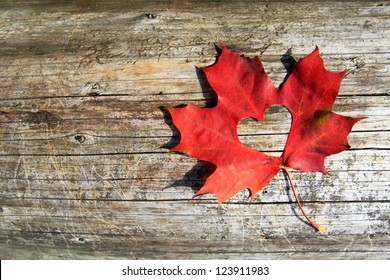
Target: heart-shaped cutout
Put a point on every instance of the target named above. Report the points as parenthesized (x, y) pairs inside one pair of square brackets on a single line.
[(269, 136)]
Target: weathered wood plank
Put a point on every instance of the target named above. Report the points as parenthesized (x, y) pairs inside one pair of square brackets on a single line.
[(140, 80), (100, 120), (333, 189), (43, 166), (84, 165), (90, 144), (46, 252), (138, 177), (165, 230)]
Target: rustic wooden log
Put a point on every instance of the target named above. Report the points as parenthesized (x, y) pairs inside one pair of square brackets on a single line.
[(85, 171)]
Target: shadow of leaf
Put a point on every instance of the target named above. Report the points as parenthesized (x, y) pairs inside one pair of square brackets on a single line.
[(209, 94), (292, 202), (289, 64), (196, 177), (175, 139)]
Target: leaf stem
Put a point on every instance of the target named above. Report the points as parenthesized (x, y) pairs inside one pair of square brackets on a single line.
[(319, 228)]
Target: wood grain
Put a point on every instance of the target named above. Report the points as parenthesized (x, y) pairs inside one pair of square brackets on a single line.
[(85, 171)]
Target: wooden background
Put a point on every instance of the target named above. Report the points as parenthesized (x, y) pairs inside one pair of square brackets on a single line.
[(85, 170)]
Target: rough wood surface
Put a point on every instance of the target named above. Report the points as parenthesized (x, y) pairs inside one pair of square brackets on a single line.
[(85, 170)]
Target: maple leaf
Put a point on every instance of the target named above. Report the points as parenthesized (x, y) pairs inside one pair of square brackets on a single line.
[(245, 90)]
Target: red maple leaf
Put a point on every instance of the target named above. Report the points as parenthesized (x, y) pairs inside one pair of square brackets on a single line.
[(245, 90)]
